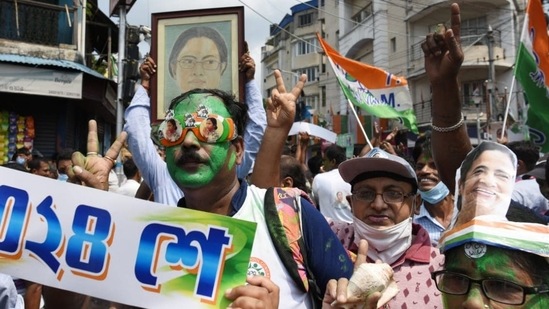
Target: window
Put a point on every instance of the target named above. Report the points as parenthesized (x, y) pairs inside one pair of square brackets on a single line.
[(312, 73), (306, 46), (393, 45), (305, 19), (473, 93)]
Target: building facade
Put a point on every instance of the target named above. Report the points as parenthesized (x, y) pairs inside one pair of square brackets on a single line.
[(388, 35), (49, 90)]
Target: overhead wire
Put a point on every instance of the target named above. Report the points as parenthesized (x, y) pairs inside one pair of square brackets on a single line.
[(401, 55)]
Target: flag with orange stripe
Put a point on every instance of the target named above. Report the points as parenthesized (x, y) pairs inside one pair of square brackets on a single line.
[(532, 71), (375, 91)]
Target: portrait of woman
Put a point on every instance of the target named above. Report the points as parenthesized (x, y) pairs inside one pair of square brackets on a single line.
[(170, 130), (196, 49), (198, 59), (210, 130), (487, 178)]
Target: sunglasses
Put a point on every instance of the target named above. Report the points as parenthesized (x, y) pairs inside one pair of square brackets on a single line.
[(211, 129)]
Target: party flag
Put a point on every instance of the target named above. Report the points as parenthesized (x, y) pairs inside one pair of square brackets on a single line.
[(375, 91), (532, 70)]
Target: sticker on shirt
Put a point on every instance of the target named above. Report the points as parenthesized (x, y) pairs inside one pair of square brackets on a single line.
[(258, 268), (474, 250)]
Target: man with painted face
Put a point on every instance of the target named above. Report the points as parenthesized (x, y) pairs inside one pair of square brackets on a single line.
[(436, 208), (205, 170), (138, 126), (383, 189)]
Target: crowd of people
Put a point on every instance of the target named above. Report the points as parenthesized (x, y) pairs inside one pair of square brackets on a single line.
[(417, 212)]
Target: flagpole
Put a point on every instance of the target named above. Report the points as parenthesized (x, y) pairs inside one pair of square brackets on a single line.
[(360, 124), (507, 109), (522, 34)]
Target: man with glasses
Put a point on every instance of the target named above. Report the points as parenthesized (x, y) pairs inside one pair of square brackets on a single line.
[(383, 191)]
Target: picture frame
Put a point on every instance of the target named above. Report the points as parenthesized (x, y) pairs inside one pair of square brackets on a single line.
[(188, 49)]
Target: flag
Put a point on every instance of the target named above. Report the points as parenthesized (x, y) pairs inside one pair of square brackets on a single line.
[(532, 71), (372, 89)]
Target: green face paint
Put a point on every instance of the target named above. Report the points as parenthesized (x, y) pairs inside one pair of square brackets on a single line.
[(495, 263), (208, 160)]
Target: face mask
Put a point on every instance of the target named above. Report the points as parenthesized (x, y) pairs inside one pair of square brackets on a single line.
[(385, 244), (63, 177), (436, 194), (21, 160)]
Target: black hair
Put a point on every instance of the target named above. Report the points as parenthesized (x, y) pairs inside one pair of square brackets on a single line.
[(15, 166), (172, 121), (196, 32), (35, 163), (130, 169), (23, 150), (335, 152), (290, 167), (422, 145), (314, 163), (214, 122), (477, 151), (236, 109), (526, 151), (65, 154)]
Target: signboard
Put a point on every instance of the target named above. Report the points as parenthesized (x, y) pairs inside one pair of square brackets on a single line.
[(119, 248), (40, 81)]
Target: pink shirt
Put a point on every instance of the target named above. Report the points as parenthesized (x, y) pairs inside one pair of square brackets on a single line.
[(412, 270)]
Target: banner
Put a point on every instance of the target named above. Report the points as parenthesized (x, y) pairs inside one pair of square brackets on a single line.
[(119, 248), (313, 130), (532, 70), (375, 91)]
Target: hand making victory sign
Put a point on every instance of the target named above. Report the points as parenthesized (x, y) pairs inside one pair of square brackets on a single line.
[(93, 169)]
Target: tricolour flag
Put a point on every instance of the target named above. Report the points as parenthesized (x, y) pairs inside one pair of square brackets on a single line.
[(372, 89), (532, 71)]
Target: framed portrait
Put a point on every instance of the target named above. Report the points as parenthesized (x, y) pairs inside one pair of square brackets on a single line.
[(196, 49)]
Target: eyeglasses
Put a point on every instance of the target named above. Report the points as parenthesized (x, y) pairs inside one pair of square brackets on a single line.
[(209, 129), (501, 291), (389, 196), (190, 63)]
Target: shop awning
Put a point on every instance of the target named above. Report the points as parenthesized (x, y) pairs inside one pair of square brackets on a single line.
[(56, 78)]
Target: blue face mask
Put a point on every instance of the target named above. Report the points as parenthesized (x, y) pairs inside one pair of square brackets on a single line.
[(436, 194), (21, 160), (62, 177)]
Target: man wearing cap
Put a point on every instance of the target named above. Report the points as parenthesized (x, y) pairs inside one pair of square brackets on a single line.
[(383, 190)]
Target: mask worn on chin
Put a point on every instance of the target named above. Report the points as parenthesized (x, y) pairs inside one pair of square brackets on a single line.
[(385, 244), (436, 194), (21, 160), (63, 177)]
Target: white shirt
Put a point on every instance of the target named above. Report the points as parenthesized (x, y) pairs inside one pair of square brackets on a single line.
[(128, 188), (329, 193)]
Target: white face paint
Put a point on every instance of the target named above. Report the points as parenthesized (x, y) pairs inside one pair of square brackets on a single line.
[(474, 250)]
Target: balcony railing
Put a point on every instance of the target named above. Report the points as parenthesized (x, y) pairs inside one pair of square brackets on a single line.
[(37, 22), (470, 37), (359, 17)]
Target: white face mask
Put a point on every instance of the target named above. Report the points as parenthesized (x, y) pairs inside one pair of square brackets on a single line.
[(385, 244), (436, 194), (21, 160)]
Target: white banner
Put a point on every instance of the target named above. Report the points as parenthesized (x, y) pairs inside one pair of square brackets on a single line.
[(40, 81), (313, 130), (119, 248)]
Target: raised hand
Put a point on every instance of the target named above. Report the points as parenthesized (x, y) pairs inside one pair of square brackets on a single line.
[(442, 50), (247, 64), (281, 104), (146, 71), (260, 292), (336, 290), (93, 169)]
